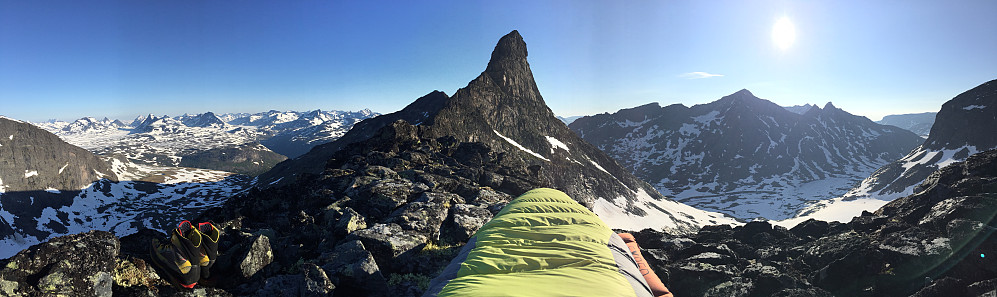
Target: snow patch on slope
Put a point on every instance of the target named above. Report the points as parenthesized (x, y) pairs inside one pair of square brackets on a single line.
[(121, 207), (516, 144), (554, 143), (662, 215), (919, 157), (834, 210)]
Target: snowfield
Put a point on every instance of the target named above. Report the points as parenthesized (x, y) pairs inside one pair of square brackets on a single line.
[(120, 207), (662, 215)]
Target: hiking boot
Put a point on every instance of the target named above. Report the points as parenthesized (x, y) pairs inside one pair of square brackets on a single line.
[(172, 264), (209, 246), (189, 241)]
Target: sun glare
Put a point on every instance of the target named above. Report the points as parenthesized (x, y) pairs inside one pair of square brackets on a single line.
[(783, 33)]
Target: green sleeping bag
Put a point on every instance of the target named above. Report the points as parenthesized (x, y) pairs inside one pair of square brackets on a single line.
[(542, 243)]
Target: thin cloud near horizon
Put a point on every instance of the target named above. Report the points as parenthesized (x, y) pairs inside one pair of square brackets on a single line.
[(698, 75)]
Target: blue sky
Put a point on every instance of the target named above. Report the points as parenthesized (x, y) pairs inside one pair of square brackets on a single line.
[(69, 59)]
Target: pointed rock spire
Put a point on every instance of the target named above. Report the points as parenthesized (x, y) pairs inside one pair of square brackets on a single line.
[(744, 92), (510, 47), (509, 69)]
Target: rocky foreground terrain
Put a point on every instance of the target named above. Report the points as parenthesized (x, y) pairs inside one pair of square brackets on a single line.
[(383, 219), (388, 213), (938, 242)]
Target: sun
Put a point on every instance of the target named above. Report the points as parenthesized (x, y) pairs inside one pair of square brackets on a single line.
[(783, 33)]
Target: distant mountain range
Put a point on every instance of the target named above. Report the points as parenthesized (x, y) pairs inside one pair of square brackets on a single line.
[(200, 140), (746, 156), (50, 188), (919, 123)]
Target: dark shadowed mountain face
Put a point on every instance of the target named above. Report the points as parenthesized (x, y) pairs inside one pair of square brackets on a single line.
[(966, 124), (919, 123), (503, 109), (743, 155), (32, 159)]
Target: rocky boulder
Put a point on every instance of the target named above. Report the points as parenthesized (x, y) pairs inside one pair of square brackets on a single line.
[(353, 269), (79, 264), (463, 222)]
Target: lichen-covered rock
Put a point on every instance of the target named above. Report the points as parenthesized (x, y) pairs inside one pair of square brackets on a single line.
[(350, 221), (381, 197), (133, 272), (79, 264), (388, 241), (486, 197), (315, 281), (735, 287), (464, 221), (353, 270), (695, 278), (425, 214), (258, 255)]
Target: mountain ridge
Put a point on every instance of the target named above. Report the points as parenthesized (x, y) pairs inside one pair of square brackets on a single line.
[(744, 155)]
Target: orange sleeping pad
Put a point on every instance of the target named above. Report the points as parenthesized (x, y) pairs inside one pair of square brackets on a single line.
[(657, 287)]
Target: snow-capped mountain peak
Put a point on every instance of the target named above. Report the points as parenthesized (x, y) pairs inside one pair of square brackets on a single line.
[(208, 119)]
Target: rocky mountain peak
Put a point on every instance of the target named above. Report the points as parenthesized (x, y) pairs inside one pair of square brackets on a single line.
[(509, 70), (743, 93), (969, 119), (510, 47), (742, 97), (206, 119), (745, 103), (829, 106)]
